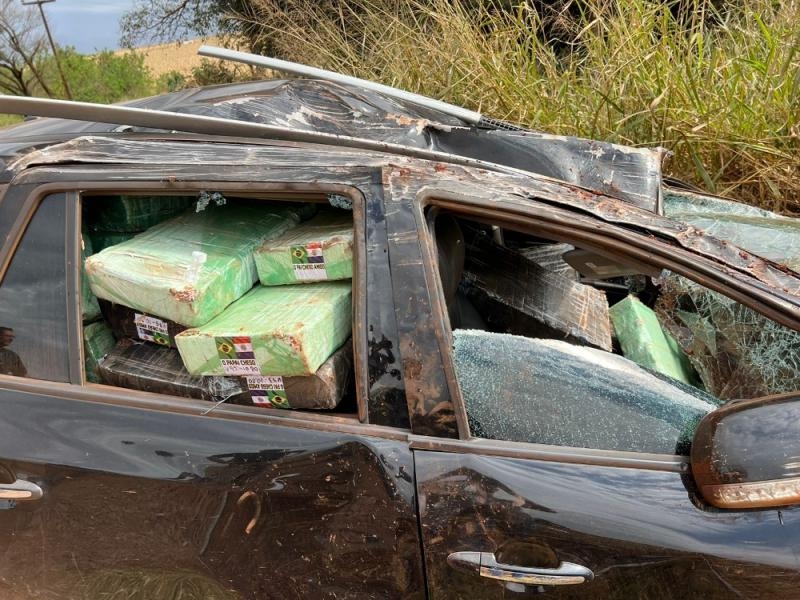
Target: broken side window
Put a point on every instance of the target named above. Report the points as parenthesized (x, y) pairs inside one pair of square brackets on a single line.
[(554, 344)]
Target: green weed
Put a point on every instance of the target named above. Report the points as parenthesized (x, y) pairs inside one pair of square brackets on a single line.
[(718, 89)]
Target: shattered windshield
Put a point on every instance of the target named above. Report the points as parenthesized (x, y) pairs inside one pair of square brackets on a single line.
[(761, 232)]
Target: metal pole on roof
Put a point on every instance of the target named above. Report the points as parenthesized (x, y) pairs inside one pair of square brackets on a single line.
[(277, 64), (52, 45)]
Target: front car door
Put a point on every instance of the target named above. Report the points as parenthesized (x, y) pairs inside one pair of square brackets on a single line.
[(558, 472), (147, 495)]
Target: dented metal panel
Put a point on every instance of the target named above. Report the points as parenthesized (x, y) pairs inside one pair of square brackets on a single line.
[(150, 501), (523, 195), (314, 106), (428, 395)]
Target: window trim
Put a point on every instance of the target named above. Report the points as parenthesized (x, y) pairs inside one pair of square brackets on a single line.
[(459, 204)]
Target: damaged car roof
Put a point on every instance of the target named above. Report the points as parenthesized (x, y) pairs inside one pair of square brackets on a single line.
[(516, 193), (627, 173)]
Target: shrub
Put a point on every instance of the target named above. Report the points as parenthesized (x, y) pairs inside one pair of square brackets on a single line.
[(104, 77)]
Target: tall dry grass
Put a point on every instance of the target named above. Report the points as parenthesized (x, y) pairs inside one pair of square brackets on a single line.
[(720, 90)]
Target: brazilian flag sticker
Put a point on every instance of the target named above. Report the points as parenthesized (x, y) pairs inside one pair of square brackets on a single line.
[(299, 255), (278, 398), (225, 348)]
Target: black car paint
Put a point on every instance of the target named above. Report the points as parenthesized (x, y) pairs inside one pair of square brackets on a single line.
[(265, 511)]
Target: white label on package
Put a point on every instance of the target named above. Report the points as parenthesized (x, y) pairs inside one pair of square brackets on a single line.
[(151, 329), (308, 262), (240, 366), (267, 390)]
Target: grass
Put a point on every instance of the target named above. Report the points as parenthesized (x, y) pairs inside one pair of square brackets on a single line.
[(7, 120), (719, 90)]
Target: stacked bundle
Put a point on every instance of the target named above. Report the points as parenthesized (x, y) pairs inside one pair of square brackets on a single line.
[(188, 283)]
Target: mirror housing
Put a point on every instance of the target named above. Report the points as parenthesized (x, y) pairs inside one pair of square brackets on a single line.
[(747, 453)]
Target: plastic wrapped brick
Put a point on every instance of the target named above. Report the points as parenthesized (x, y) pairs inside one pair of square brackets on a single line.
[(644, 342), (133, 213), (104, 239), (98, 341), (318, 250), (90, 310), (128, 322), (513, 293), (188, 269), (151, 368), (286, 331), (322, 390)]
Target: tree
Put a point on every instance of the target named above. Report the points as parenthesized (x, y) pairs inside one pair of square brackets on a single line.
[(165, 20), (151, 21), (22, 50)]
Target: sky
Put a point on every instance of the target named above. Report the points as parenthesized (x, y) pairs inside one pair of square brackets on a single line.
[(87, 25)]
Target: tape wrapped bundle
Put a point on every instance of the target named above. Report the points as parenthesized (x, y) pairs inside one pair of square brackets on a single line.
[(98, 341), (322, 390), (285, 331), (90, 310), (318, 250), (190, 268), (133, 213), (127, 322), (150, 368)]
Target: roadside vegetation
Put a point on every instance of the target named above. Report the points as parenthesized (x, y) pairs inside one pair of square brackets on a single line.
[(719, 88)]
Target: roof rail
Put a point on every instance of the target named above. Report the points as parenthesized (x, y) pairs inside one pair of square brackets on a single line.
[(170, 121), (469, 116)]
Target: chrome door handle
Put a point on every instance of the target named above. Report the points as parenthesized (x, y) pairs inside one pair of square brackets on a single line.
[(20, 490), (486, 565)]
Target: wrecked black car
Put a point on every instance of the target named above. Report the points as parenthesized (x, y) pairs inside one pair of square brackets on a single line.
[(291, 339)]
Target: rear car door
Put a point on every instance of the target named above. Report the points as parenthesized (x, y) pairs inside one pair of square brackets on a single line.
[(568, 494), (114, 492)]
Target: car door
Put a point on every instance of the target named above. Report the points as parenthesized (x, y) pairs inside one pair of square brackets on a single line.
[(111, 492), (593, 506)]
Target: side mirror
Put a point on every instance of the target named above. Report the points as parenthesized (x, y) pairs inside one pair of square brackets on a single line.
[(747, 454)]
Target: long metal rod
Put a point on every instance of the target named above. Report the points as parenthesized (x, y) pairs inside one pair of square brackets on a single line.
[(170, 121), (285, 66)]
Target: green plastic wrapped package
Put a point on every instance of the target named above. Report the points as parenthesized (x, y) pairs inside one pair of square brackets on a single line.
[(188, 269), (319, 250), (287, 331), (90, 309), (644, 341), (133, 213), (97, 342), (104, 239)]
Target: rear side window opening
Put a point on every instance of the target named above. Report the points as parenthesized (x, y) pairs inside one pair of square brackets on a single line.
[(221, 298)]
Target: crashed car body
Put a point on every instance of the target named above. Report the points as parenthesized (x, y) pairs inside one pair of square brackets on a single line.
[(501, 432)]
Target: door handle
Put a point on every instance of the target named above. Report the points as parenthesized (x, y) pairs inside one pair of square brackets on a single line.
[(20, 490), (486, 565)]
